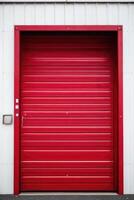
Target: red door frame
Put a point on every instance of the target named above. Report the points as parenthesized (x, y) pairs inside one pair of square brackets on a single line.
[(87, 28)]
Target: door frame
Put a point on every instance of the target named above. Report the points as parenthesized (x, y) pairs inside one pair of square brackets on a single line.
[(88, 28)]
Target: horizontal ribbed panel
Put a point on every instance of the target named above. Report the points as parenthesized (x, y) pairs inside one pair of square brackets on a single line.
[(67, 112)]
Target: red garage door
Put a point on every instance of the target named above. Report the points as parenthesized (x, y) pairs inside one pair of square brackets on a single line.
[(67, 134)]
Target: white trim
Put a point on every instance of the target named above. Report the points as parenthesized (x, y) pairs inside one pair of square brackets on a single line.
[(67, 1)]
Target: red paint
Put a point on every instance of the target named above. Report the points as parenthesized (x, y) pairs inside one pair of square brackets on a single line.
[(67, 28), (66, 62), (82, 115), (120, 109), (71, 186), (16, 119)]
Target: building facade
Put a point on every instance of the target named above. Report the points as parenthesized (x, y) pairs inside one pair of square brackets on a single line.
[(68, 13)]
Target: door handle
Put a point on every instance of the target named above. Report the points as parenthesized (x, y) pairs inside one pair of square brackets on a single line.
[(22, 119)]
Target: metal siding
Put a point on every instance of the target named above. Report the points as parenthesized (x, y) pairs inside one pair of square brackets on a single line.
[(59, 12), (102, 13), (67, 1), (7, 106), (128, 102), (9, 17), (69, 14), (19, 14), (30, 15), (49, 14), (8, 14), (40, 14), (79, 14), (91, 14), (112, 14)]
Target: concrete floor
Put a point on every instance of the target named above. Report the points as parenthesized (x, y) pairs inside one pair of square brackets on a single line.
[(67, 197)]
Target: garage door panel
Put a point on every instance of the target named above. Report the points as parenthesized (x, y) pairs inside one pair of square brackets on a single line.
[(68, 164), (61, 179), (67, 107), (67, 171), (63, 93), (68, 35), (74, 72), (92, 67), (62, 78), (86, 44), (67, 100), (87, 41), (67, 121), (66, 145), (63, 85), (67, 112), (40, 61), (67, 136), (67, 53), (58, 155), (67, 129), (69, 187), (44, 59)]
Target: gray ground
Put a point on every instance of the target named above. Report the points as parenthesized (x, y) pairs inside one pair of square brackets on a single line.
[(67, 197)]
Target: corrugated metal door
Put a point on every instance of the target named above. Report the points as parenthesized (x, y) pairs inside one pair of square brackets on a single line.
[(67, 112)]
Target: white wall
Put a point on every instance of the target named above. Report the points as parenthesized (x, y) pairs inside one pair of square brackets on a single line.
[(62, 13)]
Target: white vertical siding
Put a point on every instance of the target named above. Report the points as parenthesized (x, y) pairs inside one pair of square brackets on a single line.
[(40, 12), (102, 13), (30, 14), (112, 10), (6, 66), (79, 14), (91, 14), (19, 14), (69, 14), (63, 13), (50, 14), (8, 19), (59, 14)]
